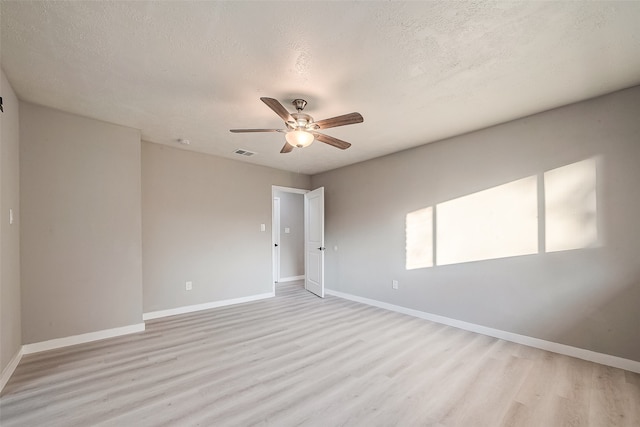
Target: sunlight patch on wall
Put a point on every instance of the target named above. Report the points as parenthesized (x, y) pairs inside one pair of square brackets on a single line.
[(419, 238), (495, 223), (503, 221), (570, 207)]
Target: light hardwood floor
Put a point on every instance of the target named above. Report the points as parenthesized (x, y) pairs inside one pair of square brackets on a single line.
[(300, 360)]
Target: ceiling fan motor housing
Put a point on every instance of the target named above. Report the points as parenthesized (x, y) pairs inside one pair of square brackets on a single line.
[(302, 121)]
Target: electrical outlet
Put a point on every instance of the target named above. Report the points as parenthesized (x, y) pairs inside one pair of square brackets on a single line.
[(394, 284), (188, 286)]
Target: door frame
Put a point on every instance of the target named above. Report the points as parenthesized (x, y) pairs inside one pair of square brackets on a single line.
[(275, 188), (275, 237)]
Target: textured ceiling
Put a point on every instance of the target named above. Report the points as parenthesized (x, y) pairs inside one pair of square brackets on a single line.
[(417, 71)]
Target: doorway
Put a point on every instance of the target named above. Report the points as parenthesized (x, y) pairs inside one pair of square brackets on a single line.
[(305, 248), (288, 234)]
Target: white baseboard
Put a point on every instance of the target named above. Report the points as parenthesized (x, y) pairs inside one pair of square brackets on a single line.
[(81, 339), (205, 306), (580, 353), (10, 368), (290, 279)]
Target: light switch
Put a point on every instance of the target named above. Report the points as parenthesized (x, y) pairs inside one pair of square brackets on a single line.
[(287, 230), (10, 216), (263, 227)]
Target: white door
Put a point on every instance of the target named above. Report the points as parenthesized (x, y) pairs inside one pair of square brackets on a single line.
[(276, 239), (314, 241)]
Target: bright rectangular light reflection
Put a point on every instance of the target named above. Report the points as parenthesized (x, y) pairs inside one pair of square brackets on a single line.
[(419, 239), (495, 223), (570, 206)]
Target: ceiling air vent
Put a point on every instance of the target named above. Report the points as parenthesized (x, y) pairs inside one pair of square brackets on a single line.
[(244, 152)]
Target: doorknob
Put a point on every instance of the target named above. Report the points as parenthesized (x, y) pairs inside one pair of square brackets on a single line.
[(321, 249), (276, 245)]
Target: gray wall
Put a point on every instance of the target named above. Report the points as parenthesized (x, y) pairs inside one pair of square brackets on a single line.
[(81, 224), (585, 298), (292, 243), (201, 223), (10, 328)]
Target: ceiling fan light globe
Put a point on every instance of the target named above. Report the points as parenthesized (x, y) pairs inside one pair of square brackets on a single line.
[(299, 138)]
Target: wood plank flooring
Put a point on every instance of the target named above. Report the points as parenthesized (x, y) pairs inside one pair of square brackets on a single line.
[(300, 360)]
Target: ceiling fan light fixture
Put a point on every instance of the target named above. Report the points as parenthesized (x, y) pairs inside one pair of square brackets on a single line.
[(299, 138)]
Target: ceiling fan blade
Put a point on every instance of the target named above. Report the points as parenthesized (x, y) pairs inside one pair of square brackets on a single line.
[(338, 143), (287, 148), (254, 130), (275, 105), (346, 119)]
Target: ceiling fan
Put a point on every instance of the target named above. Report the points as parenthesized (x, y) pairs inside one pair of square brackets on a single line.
[(301, 130)]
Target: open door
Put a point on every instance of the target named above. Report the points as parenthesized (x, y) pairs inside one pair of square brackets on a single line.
[(314, 241)]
